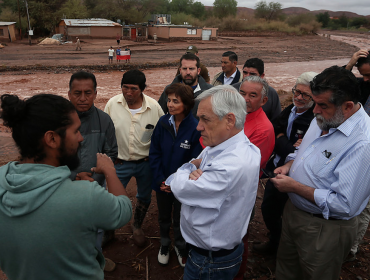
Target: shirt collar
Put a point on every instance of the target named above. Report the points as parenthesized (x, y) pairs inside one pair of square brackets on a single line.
[(253, 115), (232, 75), (349, 124), (216, 150), (144, 105)]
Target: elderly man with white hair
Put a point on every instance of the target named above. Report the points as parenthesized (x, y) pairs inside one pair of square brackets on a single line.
[(290, 127), (218, 188)]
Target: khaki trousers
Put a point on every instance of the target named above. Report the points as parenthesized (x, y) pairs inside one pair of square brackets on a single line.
[(312, 248)]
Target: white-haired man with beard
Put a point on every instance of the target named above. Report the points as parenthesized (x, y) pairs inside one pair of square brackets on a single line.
[(290, 126), (328, 183)]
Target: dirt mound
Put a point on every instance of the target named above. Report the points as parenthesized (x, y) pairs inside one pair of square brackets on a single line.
[(49, 41)]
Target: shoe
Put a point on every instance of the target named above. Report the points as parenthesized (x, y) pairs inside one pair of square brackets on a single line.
[(139, 237), (109, 265), (164, 255), (180, 258), (265, 248), (350, 257)]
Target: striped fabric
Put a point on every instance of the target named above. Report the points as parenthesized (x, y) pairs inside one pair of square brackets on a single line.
[(337, 165)]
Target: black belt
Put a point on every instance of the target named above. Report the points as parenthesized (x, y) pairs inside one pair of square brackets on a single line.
[(322, 217), (207, 253), (120, 161)]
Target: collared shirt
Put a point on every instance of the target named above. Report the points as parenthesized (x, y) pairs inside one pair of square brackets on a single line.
[(216, 208), (292, 116), (133, 135), (228, 80), (171, 120), (260, 132), (337, 166)]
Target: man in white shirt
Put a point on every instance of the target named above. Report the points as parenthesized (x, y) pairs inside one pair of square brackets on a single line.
[(218, 189), (110, 55)]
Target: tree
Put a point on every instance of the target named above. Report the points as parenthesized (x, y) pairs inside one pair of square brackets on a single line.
[(198, 10), (224, 8), (73, 9), (359, 21), (323, 18), (268, 11)]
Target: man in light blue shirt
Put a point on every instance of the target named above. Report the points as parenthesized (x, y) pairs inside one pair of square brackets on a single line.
[(218, 189), (328, 184)]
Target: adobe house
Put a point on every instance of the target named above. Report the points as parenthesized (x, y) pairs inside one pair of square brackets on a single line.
[(7, 31), (89, 28), (182, 32)]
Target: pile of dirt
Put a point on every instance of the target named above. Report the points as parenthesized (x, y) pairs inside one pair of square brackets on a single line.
[(49, 41)]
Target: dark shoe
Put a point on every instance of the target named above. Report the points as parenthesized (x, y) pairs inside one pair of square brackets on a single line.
[(350, 258), (180, 257), (109, 265), (164, 255), (265, 248), (139, 237)]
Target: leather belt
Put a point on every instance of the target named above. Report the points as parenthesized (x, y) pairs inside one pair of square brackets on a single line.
[(322, 217), (120, 161), (207, 253)]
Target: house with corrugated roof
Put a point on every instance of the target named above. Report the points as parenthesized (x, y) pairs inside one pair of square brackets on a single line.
[(7, 31), (89, 28)]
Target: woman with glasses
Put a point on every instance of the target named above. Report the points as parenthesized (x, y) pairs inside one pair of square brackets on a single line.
[(290, 127), (175, 141)]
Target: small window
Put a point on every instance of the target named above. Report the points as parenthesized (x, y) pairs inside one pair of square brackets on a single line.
[(1, 32), (192, 31)]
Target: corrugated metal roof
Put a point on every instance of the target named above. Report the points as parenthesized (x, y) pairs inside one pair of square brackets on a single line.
[(5, 23), (90, 22)]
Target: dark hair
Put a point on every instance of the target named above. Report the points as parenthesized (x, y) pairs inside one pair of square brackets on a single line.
[(31, 118), (185, 93), (134, 77), (341, 82), (363, 60), (190, 56), (82, 75), (231, 55), (255, 63)]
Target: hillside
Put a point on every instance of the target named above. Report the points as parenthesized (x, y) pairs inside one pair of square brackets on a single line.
[(296, 11)]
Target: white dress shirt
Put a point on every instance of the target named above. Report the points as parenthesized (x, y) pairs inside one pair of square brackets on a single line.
[(337, 166), (217, 207)]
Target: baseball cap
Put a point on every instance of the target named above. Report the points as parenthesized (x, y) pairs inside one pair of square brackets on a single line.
[(192, 49)]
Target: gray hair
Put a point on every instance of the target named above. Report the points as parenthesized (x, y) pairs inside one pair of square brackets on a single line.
[(305, 78), (257, 80), (226, 99)]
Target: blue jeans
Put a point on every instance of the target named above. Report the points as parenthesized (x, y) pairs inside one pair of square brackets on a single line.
[(143, 175), (217, 268)]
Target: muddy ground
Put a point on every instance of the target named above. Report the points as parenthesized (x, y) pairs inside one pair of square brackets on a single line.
[(27, 70)]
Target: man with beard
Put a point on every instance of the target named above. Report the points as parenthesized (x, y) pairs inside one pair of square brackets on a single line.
[(189, 75), (99, 136), (48, 222), (328, 184), (290, 127)]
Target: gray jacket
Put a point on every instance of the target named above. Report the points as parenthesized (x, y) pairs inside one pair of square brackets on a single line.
[(99, 135), (202, 84)]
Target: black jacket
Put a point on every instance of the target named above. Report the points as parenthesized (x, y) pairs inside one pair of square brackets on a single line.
[(202, 84), (283, 145)]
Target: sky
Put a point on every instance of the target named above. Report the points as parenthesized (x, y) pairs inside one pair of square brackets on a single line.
[(361, 7)]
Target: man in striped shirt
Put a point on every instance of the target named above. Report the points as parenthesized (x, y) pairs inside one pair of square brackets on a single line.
[(328, 183)]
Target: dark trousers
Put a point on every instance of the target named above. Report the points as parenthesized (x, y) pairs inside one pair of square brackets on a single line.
[(169, 209), (272, 210)]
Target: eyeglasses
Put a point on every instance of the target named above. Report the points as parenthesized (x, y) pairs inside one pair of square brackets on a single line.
[(305, 96)]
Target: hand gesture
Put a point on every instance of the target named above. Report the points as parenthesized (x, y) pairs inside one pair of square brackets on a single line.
[(103, 164)]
